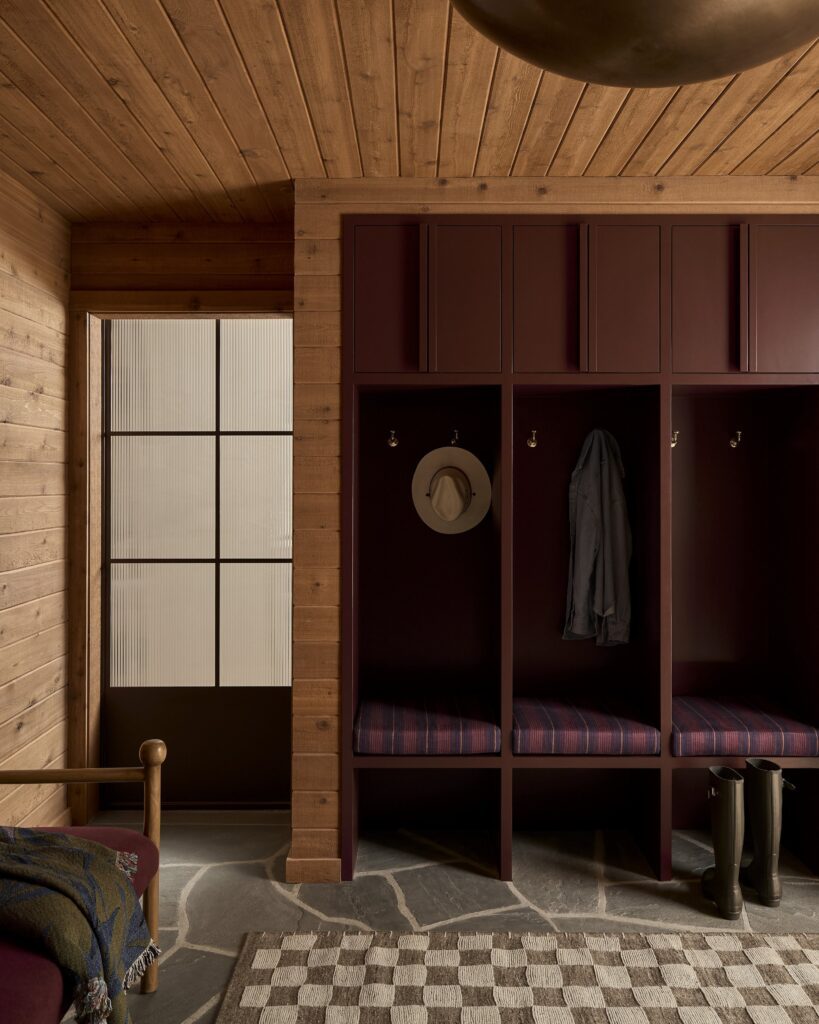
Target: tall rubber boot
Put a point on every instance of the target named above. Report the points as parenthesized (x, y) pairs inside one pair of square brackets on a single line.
[(721, 882), (764, 783)]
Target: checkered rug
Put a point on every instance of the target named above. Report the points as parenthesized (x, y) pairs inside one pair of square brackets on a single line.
[(570, 978)]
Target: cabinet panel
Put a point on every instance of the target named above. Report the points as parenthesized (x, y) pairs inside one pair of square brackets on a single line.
[(785, 289), (547, 298), (625, 299), (387, 299), (465, 298), (707, 331)]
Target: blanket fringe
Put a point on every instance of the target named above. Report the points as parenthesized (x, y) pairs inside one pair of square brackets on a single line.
[(92, 1004), (141, 964)]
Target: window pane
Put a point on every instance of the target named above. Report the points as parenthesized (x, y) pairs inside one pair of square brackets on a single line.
[(256, 486), (162, 628), (163, 374), (256, 374), (162, 497), (255, 628)]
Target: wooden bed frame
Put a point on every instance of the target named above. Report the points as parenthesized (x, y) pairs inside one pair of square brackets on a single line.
[(152, 753)]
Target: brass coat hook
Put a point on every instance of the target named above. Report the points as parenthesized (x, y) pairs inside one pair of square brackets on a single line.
[(392, 440), (455, 438), (735, 440), (675, 438), (531, 440)]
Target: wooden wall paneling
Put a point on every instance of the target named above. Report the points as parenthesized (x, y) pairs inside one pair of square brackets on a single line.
[(367, 38), (34, 254)]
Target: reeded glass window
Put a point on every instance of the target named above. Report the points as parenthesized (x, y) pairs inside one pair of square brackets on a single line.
[(199, 454)]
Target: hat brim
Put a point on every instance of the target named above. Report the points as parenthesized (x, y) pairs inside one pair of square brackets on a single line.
[(471, 465)]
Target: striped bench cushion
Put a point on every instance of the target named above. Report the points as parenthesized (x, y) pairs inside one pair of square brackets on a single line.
[(559, 727), (425, 726), (750, 728)]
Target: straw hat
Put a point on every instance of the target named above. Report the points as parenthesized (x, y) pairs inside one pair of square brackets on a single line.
[(451, 490)]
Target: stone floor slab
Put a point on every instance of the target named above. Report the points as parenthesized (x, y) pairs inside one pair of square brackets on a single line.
[(558, 871), (673, 903), (437, 894), (370, 900), (187, 981)]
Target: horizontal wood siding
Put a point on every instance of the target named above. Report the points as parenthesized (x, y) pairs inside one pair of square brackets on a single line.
[(179, 268), (34, 288)]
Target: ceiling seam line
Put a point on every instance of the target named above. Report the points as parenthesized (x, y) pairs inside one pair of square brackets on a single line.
[(396, 112)]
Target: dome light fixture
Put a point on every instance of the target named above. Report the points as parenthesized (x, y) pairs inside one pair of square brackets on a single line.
[(644, 43)]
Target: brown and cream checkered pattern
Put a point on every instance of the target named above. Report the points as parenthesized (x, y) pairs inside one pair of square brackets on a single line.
[(553, 978)]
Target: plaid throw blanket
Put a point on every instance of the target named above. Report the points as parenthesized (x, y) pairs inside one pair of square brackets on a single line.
[(73, 899)]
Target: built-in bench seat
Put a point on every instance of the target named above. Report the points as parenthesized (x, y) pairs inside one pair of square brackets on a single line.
[(550, 726), (425, 725), (750, 727)]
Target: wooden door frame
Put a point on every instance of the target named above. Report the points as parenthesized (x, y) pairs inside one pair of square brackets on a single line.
[(85, 472)]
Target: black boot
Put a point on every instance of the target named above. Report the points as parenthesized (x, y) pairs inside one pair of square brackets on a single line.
[(763, 789), (721, 882)]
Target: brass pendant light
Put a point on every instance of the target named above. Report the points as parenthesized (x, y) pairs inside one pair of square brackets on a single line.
[(644, 43)]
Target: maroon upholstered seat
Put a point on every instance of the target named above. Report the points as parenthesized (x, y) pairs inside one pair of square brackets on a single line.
[(747, 728), (31, 986), (552, 726), (425, 726)]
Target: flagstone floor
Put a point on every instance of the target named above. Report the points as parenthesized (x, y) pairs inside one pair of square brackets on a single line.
[(222, 876)]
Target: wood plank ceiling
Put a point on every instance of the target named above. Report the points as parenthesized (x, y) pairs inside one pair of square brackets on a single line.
[(207, 109)]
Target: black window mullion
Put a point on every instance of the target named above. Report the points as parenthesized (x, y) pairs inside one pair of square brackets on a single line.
[(218, 509)]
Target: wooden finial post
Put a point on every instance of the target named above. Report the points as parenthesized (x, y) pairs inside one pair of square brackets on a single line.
[(152, 754)]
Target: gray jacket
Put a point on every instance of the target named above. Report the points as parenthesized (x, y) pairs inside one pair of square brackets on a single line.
[(598, 601)]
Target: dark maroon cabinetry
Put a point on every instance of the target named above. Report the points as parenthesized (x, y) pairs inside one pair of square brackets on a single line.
[(708, 322), (785, 294), (549, 264), (465, 301), (624, 298), (695, 342), (389, 333)]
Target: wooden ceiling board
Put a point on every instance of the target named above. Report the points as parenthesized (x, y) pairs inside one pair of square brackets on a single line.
[(470, 68), (313, 34), (511, 98), (131, 83), (738, 100), (784, 100), (206, 110), (367, 37), (551, 114), (148, 29)]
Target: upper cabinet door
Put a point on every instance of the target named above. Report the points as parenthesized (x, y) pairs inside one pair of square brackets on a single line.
[(785, 298), (624, 298), (390, 333), (465, 298), (549, 330), (708, 322)]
